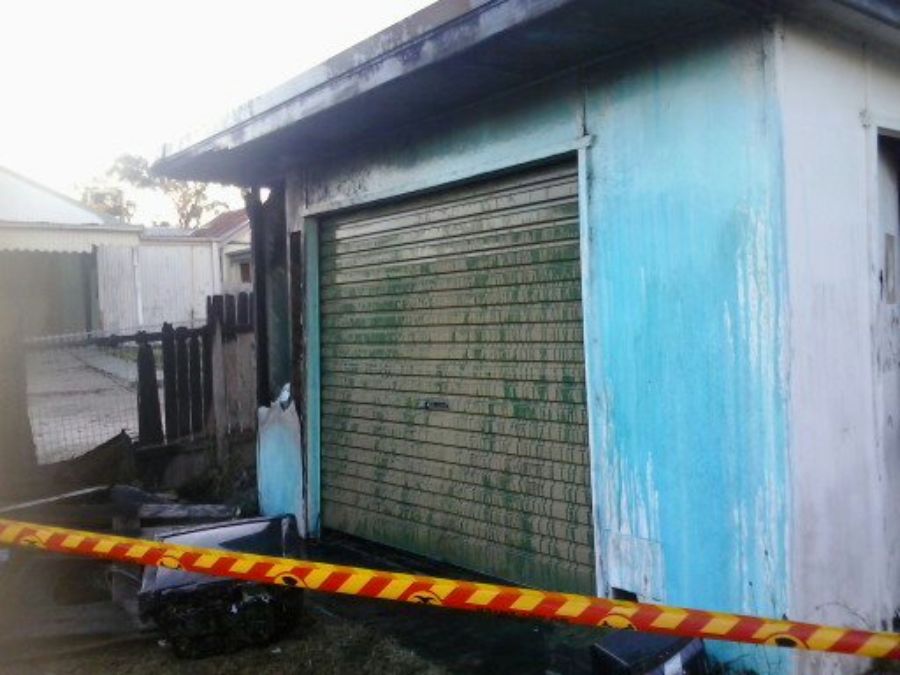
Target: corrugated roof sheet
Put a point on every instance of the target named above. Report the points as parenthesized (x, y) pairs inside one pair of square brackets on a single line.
[(35, 218), (222, 225), (24, 201)]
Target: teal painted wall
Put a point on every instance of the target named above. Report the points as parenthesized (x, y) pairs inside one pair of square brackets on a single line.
[(684, 294), (685, 327)]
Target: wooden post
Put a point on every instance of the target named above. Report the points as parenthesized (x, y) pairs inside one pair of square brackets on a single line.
[(219, 395), (243, 310), (17, 454), (196, 380), (215, 311), (278, 308), (170, 381), (259, 247), (183, 385), (298, 332), (150, 429), (218, 308), (230, 316), (309, 247), (207, 371)]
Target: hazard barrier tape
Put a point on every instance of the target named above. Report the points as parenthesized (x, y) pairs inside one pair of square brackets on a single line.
[(453, 594)]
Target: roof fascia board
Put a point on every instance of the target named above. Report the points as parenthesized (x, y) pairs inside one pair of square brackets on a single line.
[(87, 227)]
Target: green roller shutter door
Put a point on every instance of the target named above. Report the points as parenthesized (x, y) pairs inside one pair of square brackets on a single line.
[(453, 404)]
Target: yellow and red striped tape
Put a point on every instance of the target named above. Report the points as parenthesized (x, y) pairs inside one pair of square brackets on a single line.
[(449, 593)]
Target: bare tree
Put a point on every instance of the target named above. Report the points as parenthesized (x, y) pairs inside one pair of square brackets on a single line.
[(108, 200), (191, 201)]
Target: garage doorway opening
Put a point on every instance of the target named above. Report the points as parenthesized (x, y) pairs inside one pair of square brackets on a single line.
[(454, 420)]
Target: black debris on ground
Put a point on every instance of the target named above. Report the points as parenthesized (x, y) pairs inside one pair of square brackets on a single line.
[(335, 634), (319, 645), (202, 615)]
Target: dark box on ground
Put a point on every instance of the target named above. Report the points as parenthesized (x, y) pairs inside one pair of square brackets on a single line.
[(203, 615), (626, 652)]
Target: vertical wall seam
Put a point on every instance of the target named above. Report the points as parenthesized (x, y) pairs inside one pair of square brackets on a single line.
[(773, 48), (587, 302)]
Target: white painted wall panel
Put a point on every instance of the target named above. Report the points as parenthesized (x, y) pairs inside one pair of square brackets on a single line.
[(843, 411), (172, 280), (115, 287), (166, 284), (205, 278), (175, 278)]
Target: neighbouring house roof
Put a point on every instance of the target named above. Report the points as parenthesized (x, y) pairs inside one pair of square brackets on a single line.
[(222, 229), (22, 200), (224, 226), (450, 54), (37, 218)]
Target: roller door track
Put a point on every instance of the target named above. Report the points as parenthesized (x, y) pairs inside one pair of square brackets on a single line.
[(453, 403)]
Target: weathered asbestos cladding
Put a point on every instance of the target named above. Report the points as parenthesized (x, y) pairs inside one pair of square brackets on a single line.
[(453, 404)]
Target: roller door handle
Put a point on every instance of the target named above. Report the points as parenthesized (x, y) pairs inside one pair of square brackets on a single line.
[(435, 404)]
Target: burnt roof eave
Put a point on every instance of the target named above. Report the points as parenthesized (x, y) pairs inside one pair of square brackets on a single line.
[(313, 108), (314, 111), (463, 23)]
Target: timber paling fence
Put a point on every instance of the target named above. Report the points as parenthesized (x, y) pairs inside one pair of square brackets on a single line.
[(155, 385)]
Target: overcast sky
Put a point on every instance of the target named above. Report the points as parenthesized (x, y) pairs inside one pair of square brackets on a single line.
[(83, 82)]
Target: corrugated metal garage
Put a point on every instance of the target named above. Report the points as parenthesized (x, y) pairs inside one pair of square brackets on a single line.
[(453, 400)]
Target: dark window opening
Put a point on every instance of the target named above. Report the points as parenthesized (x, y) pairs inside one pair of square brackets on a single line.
[(889, 214)]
